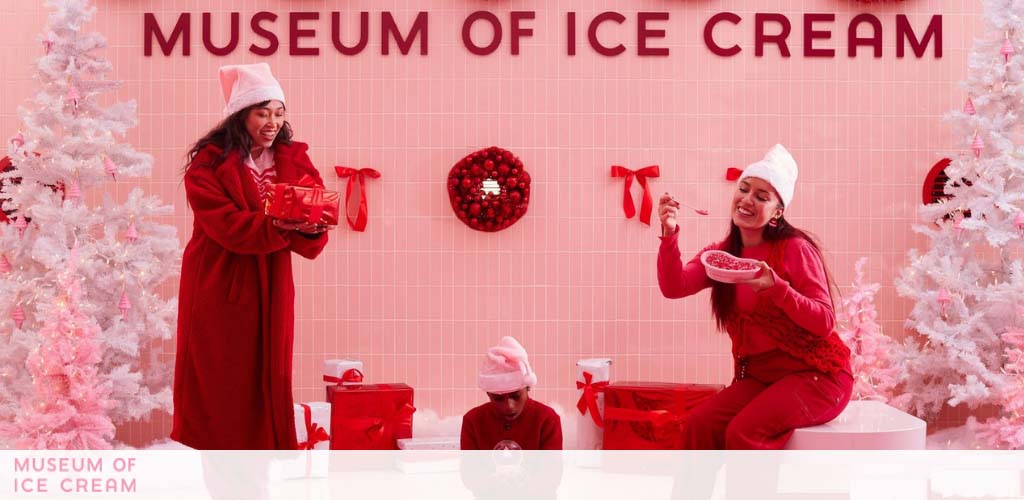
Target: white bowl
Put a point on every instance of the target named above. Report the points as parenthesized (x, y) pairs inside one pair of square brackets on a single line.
[(729, 275)]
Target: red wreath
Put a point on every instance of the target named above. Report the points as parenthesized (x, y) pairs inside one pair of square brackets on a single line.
[(496, 204)]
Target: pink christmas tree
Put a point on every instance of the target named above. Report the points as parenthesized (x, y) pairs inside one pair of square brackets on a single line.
[(876, 373), (1007, 431), (68, 405)]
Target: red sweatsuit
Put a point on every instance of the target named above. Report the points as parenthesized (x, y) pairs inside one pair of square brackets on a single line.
[(233, 371), (536, 428), (791, 368)]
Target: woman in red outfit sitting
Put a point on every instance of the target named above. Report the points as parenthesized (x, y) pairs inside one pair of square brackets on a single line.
[(233, 371), (510, 416), (791, 368)]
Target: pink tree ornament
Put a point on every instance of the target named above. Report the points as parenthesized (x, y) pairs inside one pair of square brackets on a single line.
[(18, 315), (124, 305)]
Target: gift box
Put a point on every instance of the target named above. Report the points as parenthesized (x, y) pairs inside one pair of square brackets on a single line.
[(650, 415), (303, 201), (313, 426), (342, 372), (312, 431), (592, 376), (428, 455), (430, 443), (370, 416)]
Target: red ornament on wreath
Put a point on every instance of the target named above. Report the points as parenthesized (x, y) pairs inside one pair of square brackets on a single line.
[(489, 189)]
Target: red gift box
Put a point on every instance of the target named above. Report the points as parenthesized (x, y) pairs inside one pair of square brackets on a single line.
[(370, 416), (304, 201), (650, 415)]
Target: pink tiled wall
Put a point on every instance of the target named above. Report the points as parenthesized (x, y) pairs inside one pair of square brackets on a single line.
[(419, 296)]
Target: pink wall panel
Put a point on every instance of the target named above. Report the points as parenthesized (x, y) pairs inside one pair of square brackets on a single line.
[(419, 296)]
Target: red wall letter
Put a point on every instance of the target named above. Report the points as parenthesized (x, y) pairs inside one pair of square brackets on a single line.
[(592, 33), (207, 35), (642, 33), (294, 33), (467, 28), (875, 40), (760, 39), (709, 37), (811, 34), (388, 26), (517, 32), (151, 28), (364, 33), (905, 32), (263, 32)]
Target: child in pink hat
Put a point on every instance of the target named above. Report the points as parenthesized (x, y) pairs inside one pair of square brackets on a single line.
[(236, 314), (510, 419)]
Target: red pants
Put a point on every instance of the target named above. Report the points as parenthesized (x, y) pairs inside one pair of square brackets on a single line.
[(772, 394)]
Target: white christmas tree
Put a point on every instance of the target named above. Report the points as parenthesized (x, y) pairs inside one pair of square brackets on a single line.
[(967, 284), (67, 156), (877, 370)]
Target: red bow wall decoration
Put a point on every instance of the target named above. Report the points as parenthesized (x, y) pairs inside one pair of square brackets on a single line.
[(357, 176), (646, 204)]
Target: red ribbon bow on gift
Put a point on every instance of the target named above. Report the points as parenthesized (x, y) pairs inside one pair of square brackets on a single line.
[(358, 176), (382, 427), (317, 206), (647, 204), (314, 433), (588, 400), (350, 375)]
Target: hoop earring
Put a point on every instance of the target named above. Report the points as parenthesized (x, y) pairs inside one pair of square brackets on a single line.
[(774, 222)]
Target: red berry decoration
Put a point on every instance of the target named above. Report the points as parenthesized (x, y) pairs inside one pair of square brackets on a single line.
[(495, 204)]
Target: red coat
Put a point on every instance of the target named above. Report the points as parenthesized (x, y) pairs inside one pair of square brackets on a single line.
[(233, 372)]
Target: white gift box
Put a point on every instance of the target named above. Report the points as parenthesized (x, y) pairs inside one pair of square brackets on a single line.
[(430, 443), (320, 414), (588, 435), (306, 463), (426, 455), (343, 371)]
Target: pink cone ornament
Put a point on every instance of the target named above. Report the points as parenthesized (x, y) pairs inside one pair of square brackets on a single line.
[(977, 145), (74, 191), (124, 305), (73, 96), (944, 299), (21, 225), (1007, 49), (5, 265), (18, 315), (131, 234), (969, 107), (110, 167), (1018, 221), (18, 140)]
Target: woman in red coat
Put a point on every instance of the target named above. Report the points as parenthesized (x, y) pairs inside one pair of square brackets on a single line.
[(233, 372)]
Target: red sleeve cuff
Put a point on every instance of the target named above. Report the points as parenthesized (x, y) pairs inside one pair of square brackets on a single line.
[(778, 291)]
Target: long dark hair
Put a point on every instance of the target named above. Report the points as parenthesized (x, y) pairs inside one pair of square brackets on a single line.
[(230, 135), (723, 295)]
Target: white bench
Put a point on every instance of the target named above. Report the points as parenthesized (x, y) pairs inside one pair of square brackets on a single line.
[(863, 425)]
